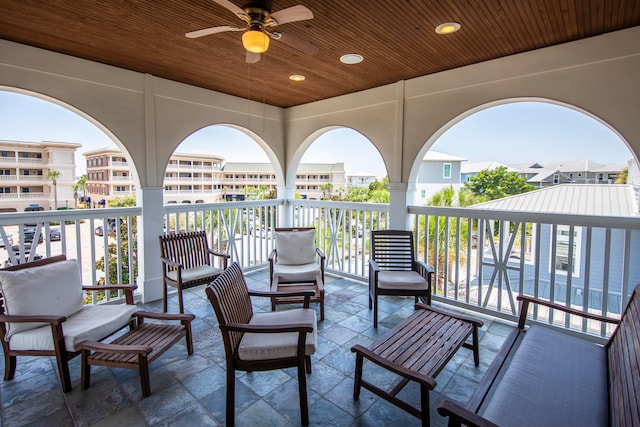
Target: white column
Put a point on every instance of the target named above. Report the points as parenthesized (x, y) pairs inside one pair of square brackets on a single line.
[(398, 202), (285, 211), (149, 228)]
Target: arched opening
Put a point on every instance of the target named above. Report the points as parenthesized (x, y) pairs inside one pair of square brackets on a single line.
[(342, 164), (547, 143), (219, 163)]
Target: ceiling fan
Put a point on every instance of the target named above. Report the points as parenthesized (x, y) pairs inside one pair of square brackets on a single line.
[(259, 22)]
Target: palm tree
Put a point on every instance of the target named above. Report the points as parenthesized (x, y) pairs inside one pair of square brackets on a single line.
[(80, 185), (53, 177)]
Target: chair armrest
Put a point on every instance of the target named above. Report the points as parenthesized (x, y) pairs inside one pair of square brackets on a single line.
[(115, 348), (170, 262), (459, 415), (217, 253), (269, 329), (321, 254), (468, 319), (526, 300), (273, 255), (373, 266), (395, 368), (281, 294), (141, 315), (423, 268), (32, 318)]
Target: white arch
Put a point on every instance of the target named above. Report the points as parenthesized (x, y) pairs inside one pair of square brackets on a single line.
[(86, 117), (413, 175)]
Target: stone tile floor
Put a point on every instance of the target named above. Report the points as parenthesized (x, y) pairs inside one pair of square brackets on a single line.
[(190, 391)]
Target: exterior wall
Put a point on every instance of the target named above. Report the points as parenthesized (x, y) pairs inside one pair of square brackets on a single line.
[(431, 179), (23, 175)]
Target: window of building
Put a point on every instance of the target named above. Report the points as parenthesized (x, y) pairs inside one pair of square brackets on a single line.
[(556, 178), (446, 170), (5, 190), (562, 250), (423, 193)]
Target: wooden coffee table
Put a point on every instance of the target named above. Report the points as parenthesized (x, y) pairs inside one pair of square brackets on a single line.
[(417, 350), (317, 286)]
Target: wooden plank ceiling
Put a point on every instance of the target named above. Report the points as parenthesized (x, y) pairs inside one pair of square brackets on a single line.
[(396, 38)]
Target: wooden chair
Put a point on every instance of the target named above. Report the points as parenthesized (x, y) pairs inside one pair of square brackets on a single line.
[(187, 261), (297, 261), (42, 313), (261, 341), (393, 269)]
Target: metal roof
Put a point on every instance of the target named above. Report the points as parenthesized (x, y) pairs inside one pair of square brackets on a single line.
[(571, 199)]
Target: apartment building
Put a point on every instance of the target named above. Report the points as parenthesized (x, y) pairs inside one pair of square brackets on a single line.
[(202, 178), (313, 180), (188, 178), (24, 167)]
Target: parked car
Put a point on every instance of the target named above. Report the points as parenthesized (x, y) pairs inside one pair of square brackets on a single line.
[(29, 233), (8, 241), (54, 234)]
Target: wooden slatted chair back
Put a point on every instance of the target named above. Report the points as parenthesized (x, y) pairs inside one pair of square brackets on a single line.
[(623, 355), (190, 248), (392, 249), (229, 296)]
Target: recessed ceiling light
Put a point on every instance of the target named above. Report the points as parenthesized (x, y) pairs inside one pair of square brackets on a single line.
[(447, 28), (296, 77), (351, 58)]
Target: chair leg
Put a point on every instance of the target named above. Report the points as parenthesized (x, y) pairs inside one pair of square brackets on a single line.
[(231, 395), (164, 298), (85, 372), (375, 312), (308, 363), (144, 375), (63, 371), (9, 366), (302, 388), (357, 381), (180, 301)]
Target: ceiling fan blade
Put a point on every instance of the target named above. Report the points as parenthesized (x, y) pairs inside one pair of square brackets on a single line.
[(252, 58), (233, 8), (297, 43), (291, 14), (212, 30)]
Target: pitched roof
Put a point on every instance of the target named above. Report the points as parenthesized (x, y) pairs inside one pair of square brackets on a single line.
[(267, 167), (481, 166), (436, 156), (571, 199)]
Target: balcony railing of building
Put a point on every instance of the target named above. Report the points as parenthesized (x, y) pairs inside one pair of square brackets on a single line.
[(482, 259)]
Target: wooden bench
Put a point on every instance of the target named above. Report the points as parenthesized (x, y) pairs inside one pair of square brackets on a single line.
[(417, 350), (137, 348), (545, 376), (187, 261)]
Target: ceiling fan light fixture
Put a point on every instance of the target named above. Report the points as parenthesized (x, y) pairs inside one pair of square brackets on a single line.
[(296, 77), (448, 28), (255, 41)]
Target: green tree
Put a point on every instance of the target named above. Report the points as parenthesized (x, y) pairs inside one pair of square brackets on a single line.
[(53, 177), (357, 194), (326, 190), (498, 183), (122, 201), (622, 177), (379, 191), (79, 186)]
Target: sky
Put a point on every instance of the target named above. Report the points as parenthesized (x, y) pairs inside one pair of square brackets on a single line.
[(509, 134)]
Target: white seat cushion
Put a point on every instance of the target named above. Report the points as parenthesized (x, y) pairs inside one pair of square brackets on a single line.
[(91, 323), (388, 279), (295, 273), (195, 273), (276, 346), (296, 247), (52, 289)]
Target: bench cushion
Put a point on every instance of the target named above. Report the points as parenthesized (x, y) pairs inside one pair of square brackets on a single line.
[(554, 379), (294, 273), (195, 274), (91, 323), (403, 279), (52, 289), (276, 346)]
